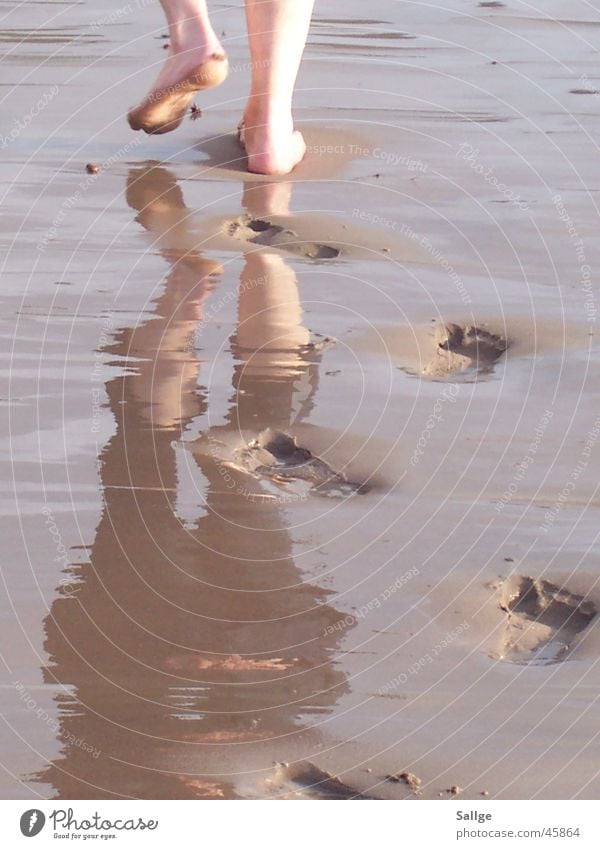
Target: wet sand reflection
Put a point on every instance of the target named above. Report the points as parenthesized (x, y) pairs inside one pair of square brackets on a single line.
[(189, 649)]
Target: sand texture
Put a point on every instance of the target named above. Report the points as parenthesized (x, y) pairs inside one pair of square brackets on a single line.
[(301, 474)]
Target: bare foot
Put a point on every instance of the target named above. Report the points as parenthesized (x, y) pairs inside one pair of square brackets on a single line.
[(184, 73), (272, 147)]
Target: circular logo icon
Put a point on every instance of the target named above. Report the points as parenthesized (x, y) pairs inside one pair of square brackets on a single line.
[(32, 822)]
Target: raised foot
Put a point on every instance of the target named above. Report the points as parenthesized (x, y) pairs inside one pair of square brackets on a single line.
[(165, 105)]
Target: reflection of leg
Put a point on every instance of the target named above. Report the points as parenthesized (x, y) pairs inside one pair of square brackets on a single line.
[(277, 31), (196, 62), (267, 198), (156, 195), (270, 330), (167, 377), (273, 379)]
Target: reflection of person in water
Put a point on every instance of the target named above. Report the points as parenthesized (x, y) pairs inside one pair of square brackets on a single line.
[(191, 649)]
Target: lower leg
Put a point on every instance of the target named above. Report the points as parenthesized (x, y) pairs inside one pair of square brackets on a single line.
[(190, 29), (277, 31), (196, 61)]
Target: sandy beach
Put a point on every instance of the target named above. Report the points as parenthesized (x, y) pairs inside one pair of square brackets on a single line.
[(399, 601)]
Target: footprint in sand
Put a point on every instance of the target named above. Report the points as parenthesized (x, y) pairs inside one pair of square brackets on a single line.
[(277, 456), (464, 350), (261, 231), (542, 621), (304, 780)]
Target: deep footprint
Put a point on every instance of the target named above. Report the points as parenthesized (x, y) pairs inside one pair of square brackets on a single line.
[(467, 350), (304, 780), (542, 621), (276, 455), (261, 231)]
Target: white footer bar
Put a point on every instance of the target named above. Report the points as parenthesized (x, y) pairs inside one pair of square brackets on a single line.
[(301, 825)]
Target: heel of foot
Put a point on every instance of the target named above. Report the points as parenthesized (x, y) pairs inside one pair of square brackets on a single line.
[(210, 73), (274, 159)]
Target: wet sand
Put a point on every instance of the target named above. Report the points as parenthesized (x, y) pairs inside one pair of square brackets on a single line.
[(415, 306)]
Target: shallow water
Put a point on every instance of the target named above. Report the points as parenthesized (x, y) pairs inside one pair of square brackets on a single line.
[(173, 626)]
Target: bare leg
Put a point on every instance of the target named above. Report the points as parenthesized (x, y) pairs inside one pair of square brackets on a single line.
[(196, 61), (277, 31)]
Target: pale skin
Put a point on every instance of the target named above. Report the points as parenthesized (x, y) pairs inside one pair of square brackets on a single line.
[(277, 31)]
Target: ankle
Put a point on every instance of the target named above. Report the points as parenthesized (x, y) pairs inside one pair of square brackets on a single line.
[(268, 115), (191, 35)]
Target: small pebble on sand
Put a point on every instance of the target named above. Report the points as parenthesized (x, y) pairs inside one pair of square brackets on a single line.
[(408, 778)]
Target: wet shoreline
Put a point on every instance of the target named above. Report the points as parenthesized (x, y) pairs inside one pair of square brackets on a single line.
[(414, 308)]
